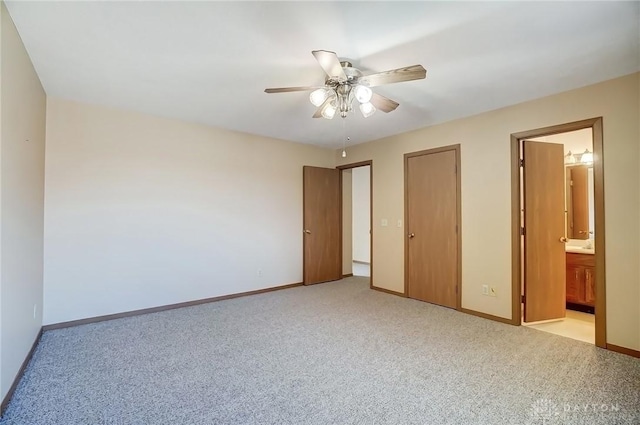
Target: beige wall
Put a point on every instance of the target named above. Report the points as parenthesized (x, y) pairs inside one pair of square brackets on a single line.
[(143, 211), (22, 138), (347, 218), (486, 196)]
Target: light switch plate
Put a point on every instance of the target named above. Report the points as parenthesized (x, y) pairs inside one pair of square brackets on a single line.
[(384, 222)]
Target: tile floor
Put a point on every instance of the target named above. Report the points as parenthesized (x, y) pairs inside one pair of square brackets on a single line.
[(576, 325)]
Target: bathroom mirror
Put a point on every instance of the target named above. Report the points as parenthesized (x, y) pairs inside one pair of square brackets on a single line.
[(580, 207)]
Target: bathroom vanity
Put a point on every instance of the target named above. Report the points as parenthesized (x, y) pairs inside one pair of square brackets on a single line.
[(580, 253), (581, 278)]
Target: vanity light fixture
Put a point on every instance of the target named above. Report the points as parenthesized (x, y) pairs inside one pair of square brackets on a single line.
[(587, 157), (569, 158)]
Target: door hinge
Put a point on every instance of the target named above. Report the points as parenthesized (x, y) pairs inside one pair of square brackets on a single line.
[(522, 299), (522, 231), (522, 162), (571, 183)]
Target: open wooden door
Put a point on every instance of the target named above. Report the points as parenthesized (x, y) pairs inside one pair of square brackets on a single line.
[(544, 224), (322, 260)]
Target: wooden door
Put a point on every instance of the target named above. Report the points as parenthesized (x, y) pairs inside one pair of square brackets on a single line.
[(431, 223), (544, 251), (321, 220)]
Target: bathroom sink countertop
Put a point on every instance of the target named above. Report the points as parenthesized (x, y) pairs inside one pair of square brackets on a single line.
[(580, 250)]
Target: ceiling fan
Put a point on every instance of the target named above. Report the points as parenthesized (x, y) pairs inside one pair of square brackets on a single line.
[(345, 83)]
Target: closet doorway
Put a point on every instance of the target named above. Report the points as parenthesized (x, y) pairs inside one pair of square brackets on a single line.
[(357, 237)]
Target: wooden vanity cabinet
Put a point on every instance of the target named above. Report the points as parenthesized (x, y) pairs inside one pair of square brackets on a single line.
[(590, 285), (581, 279)]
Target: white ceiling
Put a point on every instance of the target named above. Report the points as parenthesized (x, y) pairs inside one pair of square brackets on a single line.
[(209, 62)]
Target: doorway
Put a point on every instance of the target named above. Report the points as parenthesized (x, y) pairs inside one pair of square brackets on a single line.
[(357, 238), (558, 230), (432, 221)]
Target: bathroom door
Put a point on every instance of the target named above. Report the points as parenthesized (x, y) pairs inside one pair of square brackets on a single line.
[(544, 224)]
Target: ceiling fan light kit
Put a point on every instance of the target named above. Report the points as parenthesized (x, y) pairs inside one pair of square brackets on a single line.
[(363, 93), (318, 96), (328, 110), (344, 83), (367, 109)]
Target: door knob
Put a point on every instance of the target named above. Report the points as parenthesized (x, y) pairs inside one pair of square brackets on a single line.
[(563, 239), (412, 235), (308, 232)]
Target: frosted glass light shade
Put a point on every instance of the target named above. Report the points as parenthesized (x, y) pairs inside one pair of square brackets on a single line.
[(569, 158), (587, 156), (363, 94), (367, 109), (317, 97), (329, 110)]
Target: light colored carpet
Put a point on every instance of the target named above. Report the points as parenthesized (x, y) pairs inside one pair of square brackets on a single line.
[(335, 353)]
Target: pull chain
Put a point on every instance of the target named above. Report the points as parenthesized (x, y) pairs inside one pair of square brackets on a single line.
[(344, 137)]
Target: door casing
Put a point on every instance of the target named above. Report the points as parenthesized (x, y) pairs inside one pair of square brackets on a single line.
[(598, 175)]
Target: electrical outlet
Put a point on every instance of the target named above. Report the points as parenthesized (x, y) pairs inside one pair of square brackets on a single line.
[(259, 272), (492, 291), (485, 289), (35, 310)]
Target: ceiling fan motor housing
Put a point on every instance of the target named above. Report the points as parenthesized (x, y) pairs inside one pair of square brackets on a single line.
[(353, 76), (344, 88)]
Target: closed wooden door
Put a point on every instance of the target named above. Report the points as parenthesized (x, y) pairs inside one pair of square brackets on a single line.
[(321, 220), (431, 223), (544, 250)]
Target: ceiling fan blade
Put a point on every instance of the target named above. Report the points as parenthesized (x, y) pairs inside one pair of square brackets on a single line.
[(409, 73), (383, 104), (330, 63), (288, 89)]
